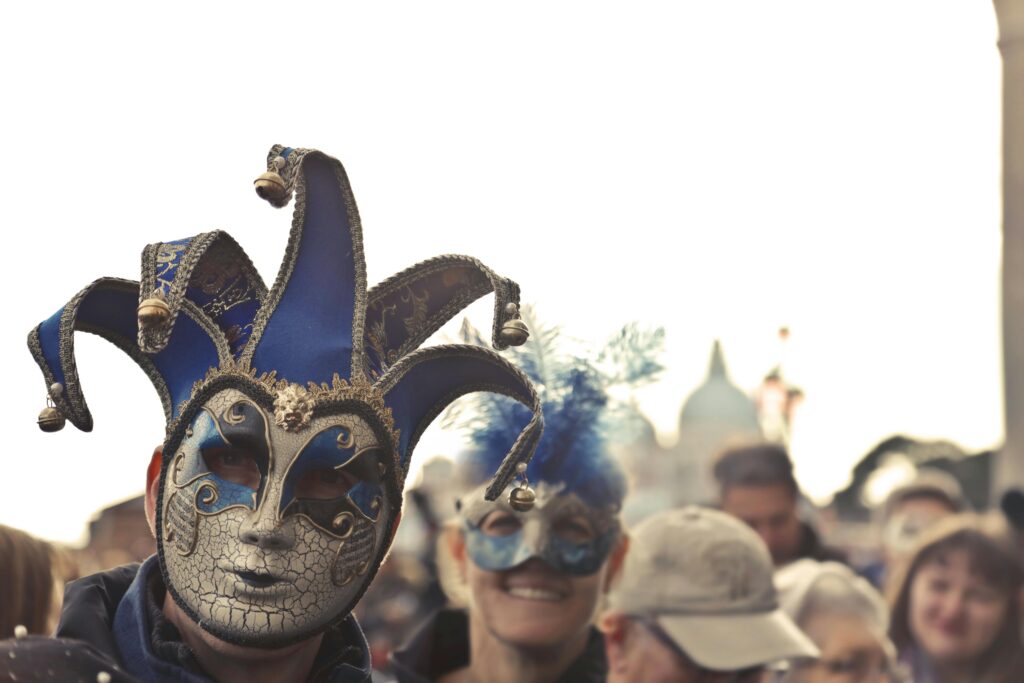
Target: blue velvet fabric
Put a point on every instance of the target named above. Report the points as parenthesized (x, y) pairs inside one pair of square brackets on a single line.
[(110, 307), (317, 307), (167, 270), (49, 339), (423, 299), (225, 292), (432, 382)]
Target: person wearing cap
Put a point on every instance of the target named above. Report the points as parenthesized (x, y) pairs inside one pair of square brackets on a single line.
[(909, 510), (757, 485), (695, 602)]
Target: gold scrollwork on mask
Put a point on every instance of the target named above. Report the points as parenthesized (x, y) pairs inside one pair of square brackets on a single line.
[(207, 493), (346, 438)]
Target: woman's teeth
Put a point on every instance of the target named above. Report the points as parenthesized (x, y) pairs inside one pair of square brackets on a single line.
[(534, 594)]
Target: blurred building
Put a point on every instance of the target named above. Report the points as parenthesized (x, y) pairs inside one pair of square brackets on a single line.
[(716, 415), (118, 534), (894, 461)]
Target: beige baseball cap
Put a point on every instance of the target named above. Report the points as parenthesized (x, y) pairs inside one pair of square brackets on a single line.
[(706, 579)]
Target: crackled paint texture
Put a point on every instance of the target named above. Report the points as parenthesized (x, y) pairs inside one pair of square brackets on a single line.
[(311, 556)]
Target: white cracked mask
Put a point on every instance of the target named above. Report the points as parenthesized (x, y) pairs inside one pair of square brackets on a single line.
[(269, 535)]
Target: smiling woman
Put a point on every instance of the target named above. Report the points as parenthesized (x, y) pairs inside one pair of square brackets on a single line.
[(956, 612), (527, 571)]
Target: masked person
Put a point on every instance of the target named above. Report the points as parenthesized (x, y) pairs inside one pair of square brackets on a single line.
[(292, 413), (696, 604), (527, 581)]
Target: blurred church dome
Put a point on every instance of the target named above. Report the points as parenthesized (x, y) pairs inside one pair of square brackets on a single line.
[(719, 400)]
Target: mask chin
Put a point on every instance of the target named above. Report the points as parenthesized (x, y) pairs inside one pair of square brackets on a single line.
[(254, 566)]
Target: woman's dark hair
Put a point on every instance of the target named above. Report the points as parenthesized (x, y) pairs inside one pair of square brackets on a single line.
[(26, 582), (992, 557)]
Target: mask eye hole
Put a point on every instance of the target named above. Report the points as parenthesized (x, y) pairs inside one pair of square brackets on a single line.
[(575, 529), (324, 483), (500, 523), (233, 464)]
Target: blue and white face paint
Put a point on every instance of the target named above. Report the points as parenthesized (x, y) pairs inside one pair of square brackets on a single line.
[(561, 530)]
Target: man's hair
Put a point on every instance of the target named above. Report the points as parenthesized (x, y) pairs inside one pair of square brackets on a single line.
[(757, 465)]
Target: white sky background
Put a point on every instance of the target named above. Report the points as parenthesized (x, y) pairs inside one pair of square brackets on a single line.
[(718, 168)]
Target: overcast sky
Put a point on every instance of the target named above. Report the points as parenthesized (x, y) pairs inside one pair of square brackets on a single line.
[(717, 168)]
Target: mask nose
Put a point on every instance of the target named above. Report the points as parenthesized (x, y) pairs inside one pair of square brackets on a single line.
[(264, 531)]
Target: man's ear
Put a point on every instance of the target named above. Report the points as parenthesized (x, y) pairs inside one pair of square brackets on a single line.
[(615, 561), (615, 627), (394, 528), (152, 483), (456, 542)]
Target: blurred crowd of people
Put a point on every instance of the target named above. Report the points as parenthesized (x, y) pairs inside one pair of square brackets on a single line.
[(688, 594)]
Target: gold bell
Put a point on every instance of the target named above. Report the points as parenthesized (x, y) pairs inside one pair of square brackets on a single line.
[(514, 332), (522, 498), (153, 311), (270, 186), (50, 420)]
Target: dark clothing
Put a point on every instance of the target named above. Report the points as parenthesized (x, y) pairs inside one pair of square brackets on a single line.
[(37, 659), (441, 646), (119, 614), (812, 547)]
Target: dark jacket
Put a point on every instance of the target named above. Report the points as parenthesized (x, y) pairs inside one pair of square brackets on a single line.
[(441, 646), (812, 547), (118, 613)]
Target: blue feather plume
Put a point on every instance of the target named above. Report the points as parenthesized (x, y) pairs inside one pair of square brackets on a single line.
[(579, 416)]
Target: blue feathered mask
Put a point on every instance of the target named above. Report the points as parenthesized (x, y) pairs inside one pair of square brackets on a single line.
[(580, 416)]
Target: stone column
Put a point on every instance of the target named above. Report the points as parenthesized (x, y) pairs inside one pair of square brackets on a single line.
[(1009, 466)]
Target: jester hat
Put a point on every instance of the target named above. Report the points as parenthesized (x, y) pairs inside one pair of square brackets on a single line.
[(317, 343)]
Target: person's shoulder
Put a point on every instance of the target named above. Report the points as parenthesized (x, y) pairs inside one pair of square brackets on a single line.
[(90, 604), (814, 548), (438, 647), (41, 659)]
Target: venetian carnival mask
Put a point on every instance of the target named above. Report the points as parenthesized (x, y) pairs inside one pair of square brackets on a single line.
[(292, 412), (561, 530), (572, 524)]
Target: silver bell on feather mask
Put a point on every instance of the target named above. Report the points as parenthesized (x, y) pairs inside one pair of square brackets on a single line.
[(271, 186), (514, 332), (522, 498), (153, 311)]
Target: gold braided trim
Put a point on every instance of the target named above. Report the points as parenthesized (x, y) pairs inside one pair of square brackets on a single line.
[(305, 398)]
